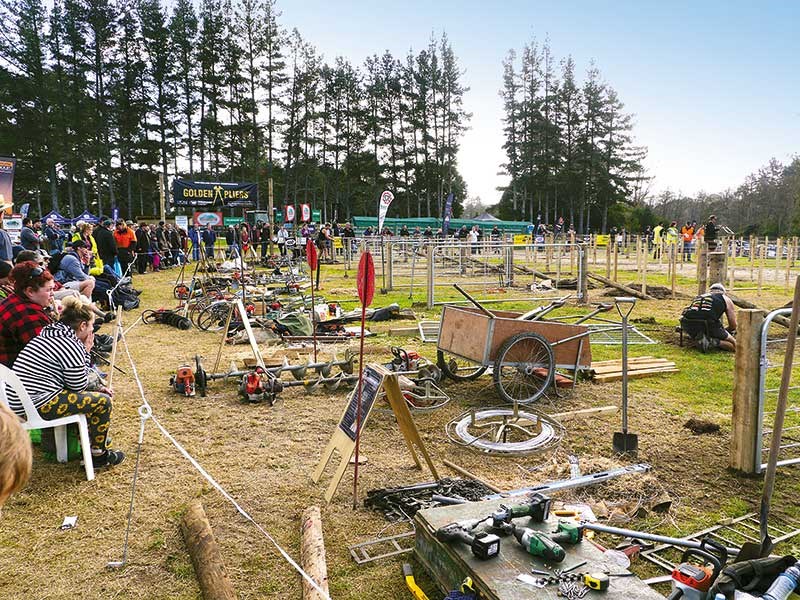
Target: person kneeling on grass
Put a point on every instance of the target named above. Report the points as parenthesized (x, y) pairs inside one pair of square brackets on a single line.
[(54, 369), (702, 320)]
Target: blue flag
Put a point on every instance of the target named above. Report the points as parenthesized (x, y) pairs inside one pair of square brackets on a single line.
[(448, 211)]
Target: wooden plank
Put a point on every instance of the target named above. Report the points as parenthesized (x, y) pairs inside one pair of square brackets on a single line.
[(585, 412), (464, 332), (449, 563), (618, 361), (632, 375), (637, 366), (403, 331)]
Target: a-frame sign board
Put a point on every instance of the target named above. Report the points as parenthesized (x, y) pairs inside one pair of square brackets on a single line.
[(238, 307), (343, 440)]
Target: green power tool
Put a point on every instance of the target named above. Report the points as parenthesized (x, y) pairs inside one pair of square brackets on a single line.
[(537, 508), (537, 543), (568, 532)]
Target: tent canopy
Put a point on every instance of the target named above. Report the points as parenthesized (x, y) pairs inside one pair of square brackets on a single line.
[(57, 217), (486, 217), (86, 217)]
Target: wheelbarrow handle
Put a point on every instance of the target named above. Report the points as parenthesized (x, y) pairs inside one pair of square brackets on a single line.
[(482, 308)]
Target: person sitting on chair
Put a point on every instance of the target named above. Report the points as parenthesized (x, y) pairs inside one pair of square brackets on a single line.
[(22, 314), (54, 370), (702, 320)]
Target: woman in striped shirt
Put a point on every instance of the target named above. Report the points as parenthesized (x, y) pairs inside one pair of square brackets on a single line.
[(54, 369)]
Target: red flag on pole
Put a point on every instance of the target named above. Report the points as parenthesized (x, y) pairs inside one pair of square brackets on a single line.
[(366, 279), (311, 255), (366, 290)]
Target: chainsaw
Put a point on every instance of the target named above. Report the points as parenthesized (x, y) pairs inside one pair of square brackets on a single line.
[(405, 361)]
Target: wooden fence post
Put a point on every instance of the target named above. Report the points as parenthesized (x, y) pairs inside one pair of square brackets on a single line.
[(702, 268), (205, 553), (312, 553), (608, 259), (716, 267), (745, 391)]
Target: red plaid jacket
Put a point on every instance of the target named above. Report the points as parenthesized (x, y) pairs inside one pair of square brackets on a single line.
[(20, 321)]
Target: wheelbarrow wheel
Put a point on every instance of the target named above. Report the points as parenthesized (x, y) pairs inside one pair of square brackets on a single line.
[(524, 368), (457, 368)]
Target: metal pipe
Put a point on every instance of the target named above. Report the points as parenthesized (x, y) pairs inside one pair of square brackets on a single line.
[(640, 535)]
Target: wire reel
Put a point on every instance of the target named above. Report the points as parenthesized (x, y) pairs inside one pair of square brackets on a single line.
[(504, 431)]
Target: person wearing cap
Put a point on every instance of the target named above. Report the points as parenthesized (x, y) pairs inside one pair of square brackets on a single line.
[(73, 270), (84, 232), (702, 320)]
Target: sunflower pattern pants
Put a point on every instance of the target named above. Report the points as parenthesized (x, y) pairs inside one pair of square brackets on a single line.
[(96, 407)]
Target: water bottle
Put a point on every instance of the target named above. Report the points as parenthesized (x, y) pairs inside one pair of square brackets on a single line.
[(784, 585)]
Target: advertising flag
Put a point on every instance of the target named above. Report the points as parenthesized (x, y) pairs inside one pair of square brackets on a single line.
[(305, 212), (448, 212), (288, 212), (383, 208), (23, 210), (7, 166)]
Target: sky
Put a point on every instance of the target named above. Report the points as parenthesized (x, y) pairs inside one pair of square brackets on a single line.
[(714, 87)]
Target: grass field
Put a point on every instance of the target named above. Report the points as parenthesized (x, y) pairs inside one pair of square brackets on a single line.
[(264, 457)]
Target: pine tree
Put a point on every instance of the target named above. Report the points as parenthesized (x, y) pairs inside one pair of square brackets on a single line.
[(100, 21), (159, 78), (129, 106), (183, 33)]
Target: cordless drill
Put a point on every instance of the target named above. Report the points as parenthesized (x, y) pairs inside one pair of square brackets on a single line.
[(537, 508), (568, 532), (536, 543), (483, 545)]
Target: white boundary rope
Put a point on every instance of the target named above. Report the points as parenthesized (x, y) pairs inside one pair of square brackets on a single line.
[(146, 411)]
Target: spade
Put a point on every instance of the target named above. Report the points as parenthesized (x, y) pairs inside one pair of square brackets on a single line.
[(624, 442)]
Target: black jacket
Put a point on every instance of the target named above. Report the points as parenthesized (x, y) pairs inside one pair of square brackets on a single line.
[(106, 245)]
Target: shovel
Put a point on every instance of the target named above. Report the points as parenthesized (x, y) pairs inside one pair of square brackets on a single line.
[(624, 442), (751, 549)]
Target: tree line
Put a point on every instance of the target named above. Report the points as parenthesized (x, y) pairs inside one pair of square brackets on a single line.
[(100, 96), (766, 203), (568, 145)]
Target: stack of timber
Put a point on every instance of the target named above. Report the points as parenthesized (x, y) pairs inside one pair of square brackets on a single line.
[(605, 371)]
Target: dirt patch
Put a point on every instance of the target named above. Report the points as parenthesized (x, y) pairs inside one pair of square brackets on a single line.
[(700, 427)]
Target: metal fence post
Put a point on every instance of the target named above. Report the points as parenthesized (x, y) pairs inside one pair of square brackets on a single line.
[(745, 419), (583, 274), (429, 278), (390, 266)]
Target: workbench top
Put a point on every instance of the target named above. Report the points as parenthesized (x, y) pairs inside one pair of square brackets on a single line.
[(496, 578)]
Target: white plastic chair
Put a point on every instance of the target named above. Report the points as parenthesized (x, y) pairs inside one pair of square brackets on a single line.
[(35, 421)]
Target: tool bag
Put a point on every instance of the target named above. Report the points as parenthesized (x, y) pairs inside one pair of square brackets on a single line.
[(753, 576), (294, 324)]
